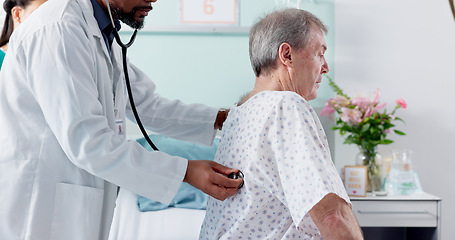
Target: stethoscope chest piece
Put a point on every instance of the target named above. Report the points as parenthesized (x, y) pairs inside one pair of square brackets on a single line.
[(234, 175)]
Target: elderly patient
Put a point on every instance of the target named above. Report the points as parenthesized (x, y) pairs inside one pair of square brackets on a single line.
[(292, 189)]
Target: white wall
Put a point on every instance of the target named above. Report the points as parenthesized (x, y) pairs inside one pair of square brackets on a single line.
[(407, 49)]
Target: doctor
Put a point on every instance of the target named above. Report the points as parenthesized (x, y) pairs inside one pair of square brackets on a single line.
[(62, 101)]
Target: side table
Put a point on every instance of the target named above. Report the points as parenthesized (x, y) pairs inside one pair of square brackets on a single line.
[(416, 216)]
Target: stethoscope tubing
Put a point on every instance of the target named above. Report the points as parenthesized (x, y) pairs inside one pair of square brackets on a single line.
[(128, 87), (127, 79)]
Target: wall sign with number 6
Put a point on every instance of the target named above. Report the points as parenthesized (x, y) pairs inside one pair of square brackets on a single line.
[(208, 7), (224, 12)]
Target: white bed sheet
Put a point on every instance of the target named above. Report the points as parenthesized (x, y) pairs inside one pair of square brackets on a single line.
[(169, 224)]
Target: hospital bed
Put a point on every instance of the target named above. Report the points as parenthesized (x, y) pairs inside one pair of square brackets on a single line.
[(138, 218), (169, 224)]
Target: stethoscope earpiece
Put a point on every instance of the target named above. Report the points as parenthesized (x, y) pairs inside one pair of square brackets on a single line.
[(234, 175)]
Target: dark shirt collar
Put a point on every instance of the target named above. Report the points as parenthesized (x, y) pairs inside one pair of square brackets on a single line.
[(104, 23)]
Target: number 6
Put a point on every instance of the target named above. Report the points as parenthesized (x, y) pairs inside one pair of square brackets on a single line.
[(208, 8)]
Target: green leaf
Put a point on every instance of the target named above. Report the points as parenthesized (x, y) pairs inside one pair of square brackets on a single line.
[(399, 132), (399, 119), (386, 141), (335, 87), (365, 127)]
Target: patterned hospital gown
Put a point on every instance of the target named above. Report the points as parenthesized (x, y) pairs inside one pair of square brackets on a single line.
[(277, 141)]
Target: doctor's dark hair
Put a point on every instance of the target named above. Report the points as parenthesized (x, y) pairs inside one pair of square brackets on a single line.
[(8, 5), (289, 25)]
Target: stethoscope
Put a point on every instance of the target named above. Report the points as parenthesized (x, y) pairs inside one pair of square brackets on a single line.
[(124, 47), (127, 78)]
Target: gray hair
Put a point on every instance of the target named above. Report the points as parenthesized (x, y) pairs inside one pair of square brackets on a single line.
[(289, 25)]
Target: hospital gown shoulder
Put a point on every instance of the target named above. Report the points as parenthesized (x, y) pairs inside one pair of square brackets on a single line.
[(286, 98), (291, 103)]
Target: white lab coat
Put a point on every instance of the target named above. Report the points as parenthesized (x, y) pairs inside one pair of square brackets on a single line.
[(62, 154)]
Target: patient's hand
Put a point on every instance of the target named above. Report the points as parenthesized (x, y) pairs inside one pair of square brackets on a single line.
[(210, 177)]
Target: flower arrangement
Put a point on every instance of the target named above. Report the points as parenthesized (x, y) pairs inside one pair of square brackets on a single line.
[(362, 120)]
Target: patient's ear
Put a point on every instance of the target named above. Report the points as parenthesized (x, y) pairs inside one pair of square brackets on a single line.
[(285, 54)]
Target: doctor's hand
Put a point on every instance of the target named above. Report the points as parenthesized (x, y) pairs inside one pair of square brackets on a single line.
[(210, 177)]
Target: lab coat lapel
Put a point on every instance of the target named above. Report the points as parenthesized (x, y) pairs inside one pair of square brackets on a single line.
[(93, 28)]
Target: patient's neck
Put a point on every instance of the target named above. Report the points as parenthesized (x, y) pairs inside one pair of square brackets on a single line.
[(263, 83)]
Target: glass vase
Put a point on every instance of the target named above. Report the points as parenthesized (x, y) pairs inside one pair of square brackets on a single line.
[(371, 159)]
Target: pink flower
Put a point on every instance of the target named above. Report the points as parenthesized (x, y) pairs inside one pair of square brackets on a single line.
[(367, 106), (327, 110), (351, 115), (377, 95), (380, 106), (368, 113), (402, 103), (340, 101), (361, 102), (375, 102), (377, 108)]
